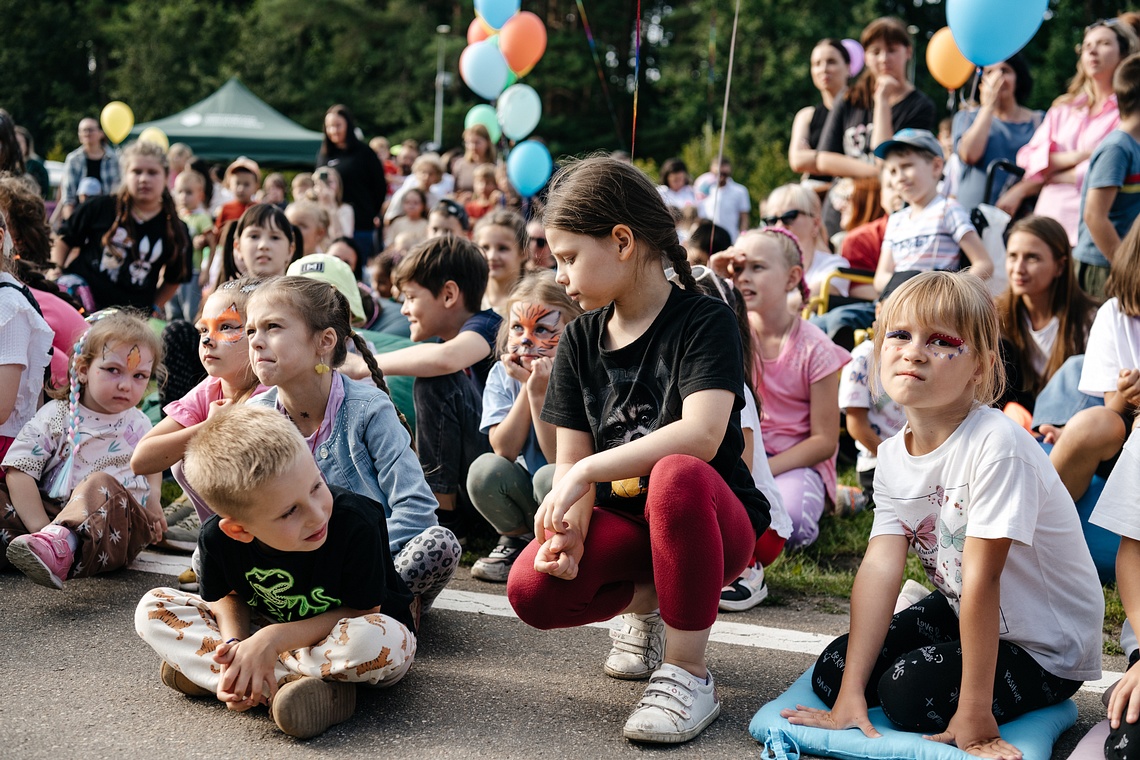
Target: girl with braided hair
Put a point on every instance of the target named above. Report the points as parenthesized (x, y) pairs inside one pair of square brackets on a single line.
[(77, 508), (652, 510), (298, 329), (129, 249)]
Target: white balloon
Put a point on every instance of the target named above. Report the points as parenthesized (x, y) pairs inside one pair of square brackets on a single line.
[(519, 109)]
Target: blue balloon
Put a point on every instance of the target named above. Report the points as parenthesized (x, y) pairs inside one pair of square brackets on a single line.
[(528, 167), (989, 32), (484, 69), (495, 13)]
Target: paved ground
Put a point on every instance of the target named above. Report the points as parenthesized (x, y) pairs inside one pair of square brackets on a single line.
[(75, 680)]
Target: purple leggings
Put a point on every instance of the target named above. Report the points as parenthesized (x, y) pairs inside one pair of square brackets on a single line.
[(694, 538)]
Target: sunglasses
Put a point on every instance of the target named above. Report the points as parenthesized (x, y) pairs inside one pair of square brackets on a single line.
[(538, 242), (785, 218)]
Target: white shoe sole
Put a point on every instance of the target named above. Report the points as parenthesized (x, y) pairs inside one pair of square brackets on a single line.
[(662, 737), (623, 675), (26, 561), (730, 605)]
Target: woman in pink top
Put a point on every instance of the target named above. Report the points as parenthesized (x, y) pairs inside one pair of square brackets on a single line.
[(1057, 157)]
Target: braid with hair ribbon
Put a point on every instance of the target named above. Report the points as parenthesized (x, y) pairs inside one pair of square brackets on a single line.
[(378, 378), (805, 293), (681, 267), (60, 488)]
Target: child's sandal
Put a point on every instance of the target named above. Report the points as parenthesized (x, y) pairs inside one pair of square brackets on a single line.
[(849, 501)]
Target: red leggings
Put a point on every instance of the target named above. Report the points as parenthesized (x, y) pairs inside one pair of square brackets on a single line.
[(694, 538)]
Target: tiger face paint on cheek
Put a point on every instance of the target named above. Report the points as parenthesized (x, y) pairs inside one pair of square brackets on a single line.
[(535, 330), (224, 329)]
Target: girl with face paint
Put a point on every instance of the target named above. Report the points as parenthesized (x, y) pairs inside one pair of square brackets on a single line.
[(222, 347), (506, 492)]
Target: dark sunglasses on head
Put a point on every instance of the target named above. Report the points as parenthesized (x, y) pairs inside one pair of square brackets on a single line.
[(785, 218)]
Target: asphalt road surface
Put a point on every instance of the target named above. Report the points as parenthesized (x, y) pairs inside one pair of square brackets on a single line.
[(76, 681)]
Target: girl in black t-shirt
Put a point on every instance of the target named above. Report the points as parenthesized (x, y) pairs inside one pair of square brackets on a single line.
[(653, 509), (130, 249)]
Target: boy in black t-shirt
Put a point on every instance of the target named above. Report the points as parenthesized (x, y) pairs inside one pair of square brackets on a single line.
[(442, 282), (300, 600)]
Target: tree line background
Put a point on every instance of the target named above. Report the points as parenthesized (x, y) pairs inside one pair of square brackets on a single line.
[(64, 59)]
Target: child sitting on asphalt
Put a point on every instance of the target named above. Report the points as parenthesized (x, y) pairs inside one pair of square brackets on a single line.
[(442, 282), (300, 600)]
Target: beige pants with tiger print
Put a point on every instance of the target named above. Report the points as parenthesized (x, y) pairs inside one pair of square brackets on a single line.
[(375, 650)]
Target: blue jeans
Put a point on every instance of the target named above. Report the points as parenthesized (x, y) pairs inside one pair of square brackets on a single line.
[(855, 316), (1059, 400)]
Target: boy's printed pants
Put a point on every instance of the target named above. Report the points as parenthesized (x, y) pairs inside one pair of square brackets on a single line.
[(375, 649)]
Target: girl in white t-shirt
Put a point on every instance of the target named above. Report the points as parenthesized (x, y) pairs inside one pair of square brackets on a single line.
[(1093, 437), (1015, 622), (1044, 315)]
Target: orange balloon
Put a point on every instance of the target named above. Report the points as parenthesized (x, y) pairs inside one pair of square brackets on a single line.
[(522, 41), (478, 30), (946, 63)]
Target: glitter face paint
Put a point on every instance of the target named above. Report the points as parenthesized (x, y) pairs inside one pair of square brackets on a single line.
[(938, 345)]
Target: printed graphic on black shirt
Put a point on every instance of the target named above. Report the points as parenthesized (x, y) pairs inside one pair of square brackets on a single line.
[(271, 589)]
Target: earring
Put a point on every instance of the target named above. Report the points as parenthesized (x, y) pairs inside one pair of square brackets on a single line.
[(322, 368)]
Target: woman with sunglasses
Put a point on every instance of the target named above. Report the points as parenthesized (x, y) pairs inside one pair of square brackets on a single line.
[(797, 209), (538, 252), (1057, 156)]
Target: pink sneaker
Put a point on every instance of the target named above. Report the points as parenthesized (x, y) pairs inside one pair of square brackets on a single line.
[(44, 557)]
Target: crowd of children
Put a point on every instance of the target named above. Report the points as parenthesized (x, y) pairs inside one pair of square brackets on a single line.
[(645, 429)]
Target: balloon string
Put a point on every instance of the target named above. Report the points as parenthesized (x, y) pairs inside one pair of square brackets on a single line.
[(724, 111), (598, 69), (636, 81)]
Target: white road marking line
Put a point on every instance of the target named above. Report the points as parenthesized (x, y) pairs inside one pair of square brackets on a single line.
[(723, 632)]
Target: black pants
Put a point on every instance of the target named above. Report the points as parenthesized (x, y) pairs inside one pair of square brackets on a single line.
[(919, 672), (448, 412)]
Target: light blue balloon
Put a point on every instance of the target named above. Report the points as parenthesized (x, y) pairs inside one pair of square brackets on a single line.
[(484, 69), (989, 32), (495, 13), (485, 115), (519, 110), (528, 167)]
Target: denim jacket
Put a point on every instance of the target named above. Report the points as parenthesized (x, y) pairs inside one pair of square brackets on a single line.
[(368, 452)]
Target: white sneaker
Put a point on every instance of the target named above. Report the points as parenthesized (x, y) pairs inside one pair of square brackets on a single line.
[(745, 592), (639, 647), (912, 593), (675, 707)]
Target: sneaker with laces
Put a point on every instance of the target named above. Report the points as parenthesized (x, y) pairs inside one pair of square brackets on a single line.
[(178, 681), (639, 647), (183, 535), (44, 557), (308, 706), (675, 707), (496, 566), (745, 592), (177, 510)]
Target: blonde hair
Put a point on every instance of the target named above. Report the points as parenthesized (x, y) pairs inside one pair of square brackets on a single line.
[(1082, 83), (537, 287), (789, 246), (802, 199), (238, 451), (958, 300)]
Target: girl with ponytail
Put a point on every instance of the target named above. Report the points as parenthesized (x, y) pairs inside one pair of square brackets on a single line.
[(78, 508), (129, 249), (298, 330), (652, 510)]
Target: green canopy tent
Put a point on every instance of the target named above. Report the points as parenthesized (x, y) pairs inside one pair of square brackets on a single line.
[(234, 122)]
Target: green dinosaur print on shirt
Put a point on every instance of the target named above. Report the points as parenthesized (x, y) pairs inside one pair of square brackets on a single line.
[(271, 588)]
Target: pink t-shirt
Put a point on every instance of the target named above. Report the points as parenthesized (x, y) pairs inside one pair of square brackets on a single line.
[(785, 384), (1066, 127), (67, 324), (189, 410)]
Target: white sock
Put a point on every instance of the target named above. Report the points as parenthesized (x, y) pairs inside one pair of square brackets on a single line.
[(64, 533)]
